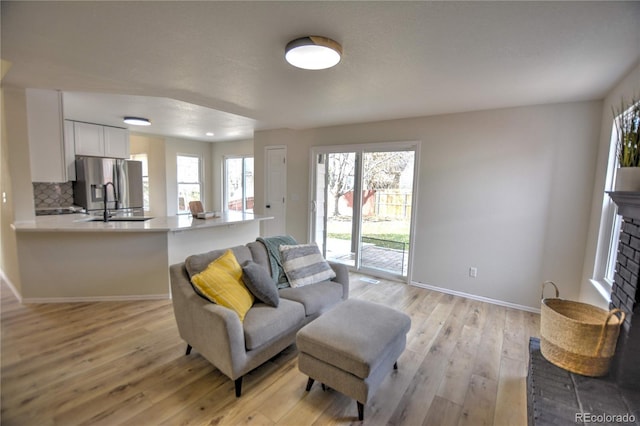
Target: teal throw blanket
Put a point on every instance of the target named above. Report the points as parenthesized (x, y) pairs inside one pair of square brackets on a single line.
[(272, 245)]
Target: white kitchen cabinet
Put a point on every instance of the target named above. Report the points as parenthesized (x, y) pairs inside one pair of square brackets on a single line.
[(89, 139), (116, 142), (46, 141), (101, 141)]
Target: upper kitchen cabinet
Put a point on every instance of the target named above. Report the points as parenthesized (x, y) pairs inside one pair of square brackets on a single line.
[(89, 139), (116, 142), (46, 136), (101, 141)]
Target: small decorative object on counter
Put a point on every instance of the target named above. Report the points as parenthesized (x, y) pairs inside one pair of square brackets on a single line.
[(198, 212), (195, 207), (578, 337), (207, 215)]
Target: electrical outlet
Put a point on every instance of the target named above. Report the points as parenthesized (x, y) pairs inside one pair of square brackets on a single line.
[(473, 272)]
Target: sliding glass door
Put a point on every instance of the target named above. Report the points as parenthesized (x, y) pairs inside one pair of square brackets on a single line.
[(338, 216), (387, 193), (363, 206)]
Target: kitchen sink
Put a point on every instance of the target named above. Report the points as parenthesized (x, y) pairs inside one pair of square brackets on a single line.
[(121, 219)]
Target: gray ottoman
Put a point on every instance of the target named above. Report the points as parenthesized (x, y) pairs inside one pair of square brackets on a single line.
[(352, 348)]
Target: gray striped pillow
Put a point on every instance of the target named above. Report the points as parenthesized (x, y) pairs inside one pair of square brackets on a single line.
[(303, 264)]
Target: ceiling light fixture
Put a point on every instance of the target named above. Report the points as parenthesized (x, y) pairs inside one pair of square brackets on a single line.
[(137, 121), (313, 53), (209, 134)]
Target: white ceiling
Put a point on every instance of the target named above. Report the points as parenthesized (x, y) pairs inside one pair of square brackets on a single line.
[(193, 67)]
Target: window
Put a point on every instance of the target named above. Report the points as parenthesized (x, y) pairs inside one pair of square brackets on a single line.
[(189, 181), (610, 225), (238, 184), (145, 177)]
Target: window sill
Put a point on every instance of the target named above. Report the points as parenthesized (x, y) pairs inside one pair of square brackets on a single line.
[(603, 288)]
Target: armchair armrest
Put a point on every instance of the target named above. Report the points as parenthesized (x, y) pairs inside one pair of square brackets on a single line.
[(342, 277), (219, 337), (214, 331)]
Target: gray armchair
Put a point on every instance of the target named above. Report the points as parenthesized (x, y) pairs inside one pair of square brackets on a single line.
[(236, 347)]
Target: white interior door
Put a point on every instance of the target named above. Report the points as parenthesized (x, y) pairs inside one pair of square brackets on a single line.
[(276, 191)]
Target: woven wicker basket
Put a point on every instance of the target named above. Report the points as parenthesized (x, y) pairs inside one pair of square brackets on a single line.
[(578, 337)]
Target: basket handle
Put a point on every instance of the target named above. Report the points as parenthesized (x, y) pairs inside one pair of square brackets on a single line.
[(603, 332), (544, 284)]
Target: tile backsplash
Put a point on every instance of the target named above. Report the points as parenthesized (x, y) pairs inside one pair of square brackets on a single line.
[(53, 194)]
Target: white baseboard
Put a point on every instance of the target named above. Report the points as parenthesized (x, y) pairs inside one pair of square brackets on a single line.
[(6, 279), (96, 298), (479, 298)]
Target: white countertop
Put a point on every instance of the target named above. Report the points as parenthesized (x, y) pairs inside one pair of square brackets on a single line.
[(83, 223)]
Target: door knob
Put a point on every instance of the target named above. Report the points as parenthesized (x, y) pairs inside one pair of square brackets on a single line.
[(268, 206)]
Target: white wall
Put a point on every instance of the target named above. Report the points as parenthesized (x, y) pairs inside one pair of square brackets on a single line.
[(628, 87), (18, 151), (507, 191), (154, 147), (16, 178)]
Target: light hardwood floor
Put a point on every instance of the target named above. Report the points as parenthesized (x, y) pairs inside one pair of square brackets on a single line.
[(124, 363)]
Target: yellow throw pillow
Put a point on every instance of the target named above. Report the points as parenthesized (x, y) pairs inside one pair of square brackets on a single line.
[(221, 282)]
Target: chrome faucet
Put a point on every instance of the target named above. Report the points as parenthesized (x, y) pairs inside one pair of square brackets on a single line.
[(105, 216)]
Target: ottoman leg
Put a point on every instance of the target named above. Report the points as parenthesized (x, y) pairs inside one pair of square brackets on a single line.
[(309, 384), (395, 366), (360, 410)]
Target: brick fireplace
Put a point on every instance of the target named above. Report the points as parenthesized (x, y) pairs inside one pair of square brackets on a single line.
[(625, 367)]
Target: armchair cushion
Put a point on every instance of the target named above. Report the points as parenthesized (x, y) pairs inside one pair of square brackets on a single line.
[(259, 282), (221, 283), (316, 298), (264, 323), (304, 264)]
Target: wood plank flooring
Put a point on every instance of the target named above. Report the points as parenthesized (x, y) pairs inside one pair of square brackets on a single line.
[(112, 363)]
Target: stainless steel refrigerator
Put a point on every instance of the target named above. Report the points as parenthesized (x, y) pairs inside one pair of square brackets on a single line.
[(93, 173)]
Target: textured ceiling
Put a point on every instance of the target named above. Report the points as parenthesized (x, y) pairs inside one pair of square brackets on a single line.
[(401, 59)]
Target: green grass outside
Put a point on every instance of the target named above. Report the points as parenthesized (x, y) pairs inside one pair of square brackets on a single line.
[(391, 243), (384, 229)]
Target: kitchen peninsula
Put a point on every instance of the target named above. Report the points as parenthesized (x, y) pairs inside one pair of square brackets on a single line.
[(74, 258)]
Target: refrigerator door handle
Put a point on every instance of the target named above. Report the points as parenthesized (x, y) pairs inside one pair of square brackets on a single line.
[(120, 179)]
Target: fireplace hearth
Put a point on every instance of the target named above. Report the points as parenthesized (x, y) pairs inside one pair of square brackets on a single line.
[(557, 397)]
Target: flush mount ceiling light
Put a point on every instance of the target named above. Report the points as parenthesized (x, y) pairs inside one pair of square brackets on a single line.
[(137, 121), (313, 52)]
